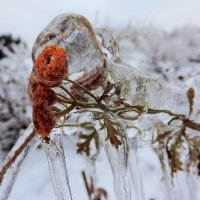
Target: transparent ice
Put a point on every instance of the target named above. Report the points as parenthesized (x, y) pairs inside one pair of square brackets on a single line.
[(92, 56), (94, 61), (57, 166)]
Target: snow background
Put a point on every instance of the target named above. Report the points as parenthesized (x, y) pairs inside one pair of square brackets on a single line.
[(27, 18)]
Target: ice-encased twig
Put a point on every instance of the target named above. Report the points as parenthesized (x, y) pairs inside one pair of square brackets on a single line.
[(23, 147), (118, 159), (56, 160)]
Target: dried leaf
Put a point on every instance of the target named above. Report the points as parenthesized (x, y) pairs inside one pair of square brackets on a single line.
[(93, 192), (112, 132), (100, 194), (84, 147), (173, 151), (194, 153), (115, 141), (162, 137)]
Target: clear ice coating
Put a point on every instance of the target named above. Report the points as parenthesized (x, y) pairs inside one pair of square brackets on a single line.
[(57, 166), (108, 44), (118, 96), (75, 34), (134, 169), (118, 159)]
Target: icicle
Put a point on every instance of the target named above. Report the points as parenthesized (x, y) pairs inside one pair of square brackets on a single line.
[(170, 194), (56, 159), (192, 181), (8, 179), (134, 170), (118, 158), (181, 187), (185, 181), (177, 186)]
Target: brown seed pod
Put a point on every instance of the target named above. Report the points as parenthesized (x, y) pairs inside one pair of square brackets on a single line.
[(51, 66), (43, 120)]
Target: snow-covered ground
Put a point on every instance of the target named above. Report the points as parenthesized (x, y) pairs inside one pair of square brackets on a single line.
[(34, 181)]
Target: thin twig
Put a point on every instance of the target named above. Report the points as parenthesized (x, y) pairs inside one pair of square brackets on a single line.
[(65, 89), (66, 111), (86, 185), (84, 89)]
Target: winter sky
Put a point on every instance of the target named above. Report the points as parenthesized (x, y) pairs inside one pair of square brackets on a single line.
[(27, 18)]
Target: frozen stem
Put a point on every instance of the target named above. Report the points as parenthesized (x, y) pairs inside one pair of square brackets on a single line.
[(56, 160), (118, 159)]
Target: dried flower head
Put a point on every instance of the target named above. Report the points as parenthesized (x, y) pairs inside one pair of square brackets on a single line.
[(43, 96), (43, 120), (43, 117), (51, 66)]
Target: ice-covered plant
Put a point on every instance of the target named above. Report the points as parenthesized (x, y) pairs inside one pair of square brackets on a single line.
[(76, 73)]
